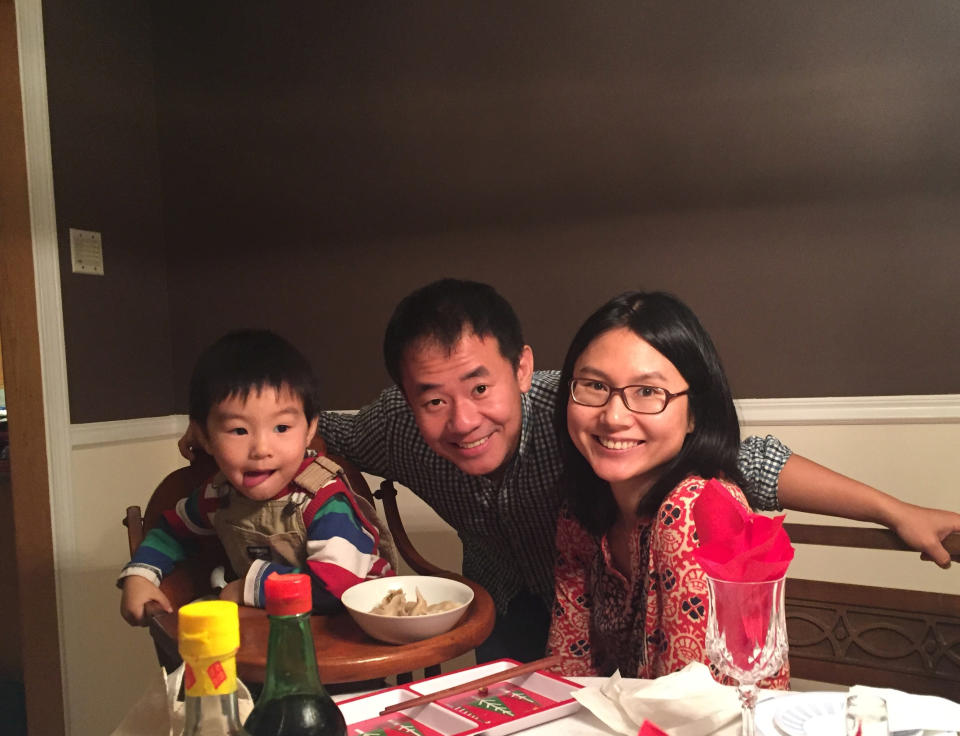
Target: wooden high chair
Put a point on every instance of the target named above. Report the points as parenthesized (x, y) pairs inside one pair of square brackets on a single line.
[(344, 652)]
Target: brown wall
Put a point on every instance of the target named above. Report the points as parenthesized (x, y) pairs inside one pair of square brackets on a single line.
[(103, 129), (792, 172)]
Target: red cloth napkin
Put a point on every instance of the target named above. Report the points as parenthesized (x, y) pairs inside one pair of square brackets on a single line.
[(738, 546), (735, 544)]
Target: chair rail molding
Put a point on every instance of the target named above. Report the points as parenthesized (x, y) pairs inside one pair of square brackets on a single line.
[(920, 409), (127, 430)]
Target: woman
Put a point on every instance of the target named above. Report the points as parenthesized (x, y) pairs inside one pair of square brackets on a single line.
[(649, 419)]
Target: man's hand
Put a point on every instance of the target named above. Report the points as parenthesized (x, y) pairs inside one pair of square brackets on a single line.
[(924, 529), (137, 592), (233, 591)]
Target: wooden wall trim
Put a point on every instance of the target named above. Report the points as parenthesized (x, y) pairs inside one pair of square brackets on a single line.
[(35, 366), (46, 265)]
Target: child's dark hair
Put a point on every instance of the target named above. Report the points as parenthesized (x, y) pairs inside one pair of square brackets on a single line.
[(442, 311), (249, 360), (710, 450)]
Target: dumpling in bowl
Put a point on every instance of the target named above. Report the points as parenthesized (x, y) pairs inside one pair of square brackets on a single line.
[(441, 606), (396, 604), (391, 605), (417, 607)]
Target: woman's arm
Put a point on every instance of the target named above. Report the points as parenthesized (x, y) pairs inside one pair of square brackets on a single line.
[(570, 624), (806, 486)]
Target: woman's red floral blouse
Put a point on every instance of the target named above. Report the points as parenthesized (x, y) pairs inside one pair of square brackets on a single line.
[(650, 625)]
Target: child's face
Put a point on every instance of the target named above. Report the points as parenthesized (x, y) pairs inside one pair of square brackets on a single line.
[(259, 442)]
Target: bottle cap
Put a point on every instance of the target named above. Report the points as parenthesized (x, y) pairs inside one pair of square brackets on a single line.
[(288, 595), (208, 629)]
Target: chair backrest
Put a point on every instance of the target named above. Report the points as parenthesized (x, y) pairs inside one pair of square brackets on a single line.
[(866, 635)]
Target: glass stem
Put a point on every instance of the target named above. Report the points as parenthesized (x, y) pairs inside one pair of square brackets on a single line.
[(748, 704)]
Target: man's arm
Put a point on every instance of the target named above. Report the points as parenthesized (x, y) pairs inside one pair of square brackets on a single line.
[(806, 486)]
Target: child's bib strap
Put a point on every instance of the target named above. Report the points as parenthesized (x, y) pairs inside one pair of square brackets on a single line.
[(323, 470), (318, 473)]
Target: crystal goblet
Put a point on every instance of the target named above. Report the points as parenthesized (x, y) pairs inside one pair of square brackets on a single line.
[(747, 636)]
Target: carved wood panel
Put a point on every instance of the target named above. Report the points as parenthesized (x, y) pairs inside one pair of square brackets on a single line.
[(874, 636)]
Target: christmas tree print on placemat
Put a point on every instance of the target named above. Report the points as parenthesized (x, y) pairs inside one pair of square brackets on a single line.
[(499, 704)]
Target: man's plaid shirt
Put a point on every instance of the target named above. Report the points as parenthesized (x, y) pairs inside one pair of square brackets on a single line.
[(507, 528)]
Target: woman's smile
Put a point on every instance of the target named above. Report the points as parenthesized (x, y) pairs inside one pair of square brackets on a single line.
[(617, 444)]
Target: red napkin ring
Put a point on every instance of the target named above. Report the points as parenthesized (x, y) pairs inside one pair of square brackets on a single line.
[(651, 729)]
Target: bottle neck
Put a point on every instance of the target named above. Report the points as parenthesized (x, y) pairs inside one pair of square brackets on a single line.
[(210, 697), (291, 658), (212, 715)]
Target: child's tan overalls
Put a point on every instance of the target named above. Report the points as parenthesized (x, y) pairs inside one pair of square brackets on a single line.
[(274, 531)]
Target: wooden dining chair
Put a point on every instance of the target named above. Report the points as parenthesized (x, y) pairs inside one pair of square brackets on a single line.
[(191, 580), (866, 635), (186, 582)]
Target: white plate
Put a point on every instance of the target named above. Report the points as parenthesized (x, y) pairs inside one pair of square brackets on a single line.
[(815, 714), (792, 715)]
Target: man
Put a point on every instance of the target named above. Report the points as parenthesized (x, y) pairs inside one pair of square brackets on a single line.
[(469, 428)]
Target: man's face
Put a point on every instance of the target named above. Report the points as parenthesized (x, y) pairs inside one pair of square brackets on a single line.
[(467, 401)]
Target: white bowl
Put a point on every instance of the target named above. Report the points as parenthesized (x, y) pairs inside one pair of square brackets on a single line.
[(404, 629)]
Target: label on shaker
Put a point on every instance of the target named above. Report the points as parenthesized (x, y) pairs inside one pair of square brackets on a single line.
[(216, 676)]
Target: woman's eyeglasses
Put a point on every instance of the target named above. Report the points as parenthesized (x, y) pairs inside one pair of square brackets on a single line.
[(639, 399)]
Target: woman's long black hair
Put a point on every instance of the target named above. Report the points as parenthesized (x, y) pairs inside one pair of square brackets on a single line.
[(710, 450)]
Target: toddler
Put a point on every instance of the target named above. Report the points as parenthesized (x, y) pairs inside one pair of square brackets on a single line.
[(274, 505)]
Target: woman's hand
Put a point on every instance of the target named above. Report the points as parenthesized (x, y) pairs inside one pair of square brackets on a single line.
[(137, 593), (924, 529)]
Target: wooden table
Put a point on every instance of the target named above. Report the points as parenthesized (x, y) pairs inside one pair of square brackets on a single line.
[(344, 652)]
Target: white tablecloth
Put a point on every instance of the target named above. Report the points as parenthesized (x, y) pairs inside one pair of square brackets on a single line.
[(584, 723)]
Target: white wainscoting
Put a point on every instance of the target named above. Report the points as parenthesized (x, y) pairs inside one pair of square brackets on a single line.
[(903, 445)]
